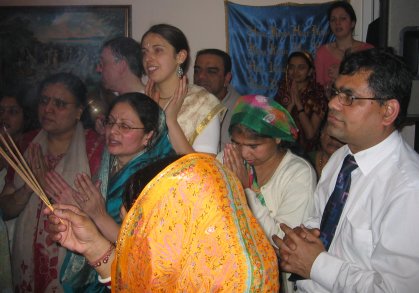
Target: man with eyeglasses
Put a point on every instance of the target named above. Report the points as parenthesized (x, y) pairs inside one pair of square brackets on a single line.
[(361, 236)]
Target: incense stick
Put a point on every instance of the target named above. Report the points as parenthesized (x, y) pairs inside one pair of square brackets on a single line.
[(19, 164)]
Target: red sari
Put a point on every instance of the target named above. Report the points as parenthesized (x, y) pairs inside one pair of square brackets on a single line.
[(36, 262)]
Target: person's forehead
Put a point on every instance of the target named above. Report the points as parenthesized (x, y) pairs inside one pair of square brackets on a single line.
[(357, 79), (209, 60), (339, 11), (298, 60), (8, 100)]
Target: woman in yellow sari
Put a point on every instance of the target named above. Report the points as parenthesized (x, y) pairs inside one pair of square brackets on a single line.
[(190, 230)]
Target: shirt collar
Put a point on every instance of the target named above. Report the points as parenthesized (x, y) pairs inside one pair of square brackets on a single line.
[(371, 157)]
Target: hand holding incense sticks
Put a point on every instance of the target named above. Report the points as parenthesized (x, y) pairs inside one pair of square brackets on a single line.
[(12, 155)]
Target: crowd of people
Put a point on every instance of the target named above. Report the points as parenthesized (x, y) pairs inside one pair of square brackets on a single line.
[(177, 187)]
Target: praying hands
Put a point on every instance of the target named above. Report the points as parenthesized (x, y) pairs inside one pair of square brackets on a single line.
[(298, 249)]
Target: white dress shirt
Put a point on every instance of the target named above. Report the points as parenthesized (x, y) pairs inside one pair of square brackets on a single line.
[(376, 244)]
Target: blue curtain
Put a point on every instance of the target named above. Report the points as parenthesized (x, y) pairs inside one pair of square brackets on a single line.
[(260, 38)]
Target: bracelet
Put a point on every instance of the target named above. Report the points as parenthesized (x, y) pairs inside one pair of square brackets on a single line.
[(106, 281), (300, 111), (104, 258)]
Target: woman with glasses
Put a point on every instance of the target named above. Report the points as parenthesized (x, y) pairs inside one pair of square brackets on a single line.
[(136, 135), (63, 145), (189, 230)]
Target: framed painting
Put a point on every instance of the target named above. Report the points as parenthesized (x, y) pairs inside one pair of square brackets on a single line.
[(36, 41)]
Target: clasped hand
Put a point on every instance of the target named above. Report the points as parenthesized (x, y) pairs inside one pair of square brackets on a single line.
[(86, 196), (298, 249), (234, 161)]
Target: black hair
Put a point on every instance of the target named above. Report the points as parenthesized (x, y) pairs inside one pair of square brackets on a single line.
[(29, 120), (75, 86), (305, 55), (223, 55), (148, 111), (345, 6), (136, 183), (174, 37), (129, 50), (390, 77)]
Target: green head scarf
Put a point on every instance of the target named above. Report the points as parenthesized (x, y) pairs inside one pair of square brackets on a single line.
[(264, 116)]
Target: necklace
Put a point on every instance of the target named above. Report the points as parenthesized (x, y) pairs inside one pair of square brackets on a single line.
[(116, 166)]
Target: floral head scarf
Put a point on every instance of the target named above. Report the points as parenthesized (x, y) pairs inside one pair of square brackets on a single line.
[(264, 116)]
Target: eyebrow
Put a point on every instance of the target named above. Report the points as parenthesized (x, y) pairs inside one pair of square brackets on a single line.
[(120, 119), (154, 46)]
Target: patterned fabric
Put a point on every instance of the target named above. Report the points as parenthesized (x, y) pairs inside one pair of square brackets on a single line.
[(190, 230), (36, 262), (336, 202), (314, 102), (198, 109), (264, 116), (5, 271), (113, 188)]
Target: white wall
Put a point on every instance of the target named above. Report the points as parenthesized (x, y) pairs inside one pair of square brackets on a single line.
[(202, 21)]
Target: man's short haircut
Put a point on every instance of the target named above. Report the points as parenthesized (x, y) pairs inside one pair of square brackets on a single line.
[(390, 77), (223, 55), (128, 49)]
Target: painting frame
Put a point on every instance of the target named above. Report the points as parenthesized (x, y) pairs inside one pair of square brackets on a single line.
[(40, 40)]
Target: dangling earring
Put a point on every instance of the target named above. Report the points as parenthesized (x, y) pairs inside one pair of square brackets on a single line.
[(179, 71)]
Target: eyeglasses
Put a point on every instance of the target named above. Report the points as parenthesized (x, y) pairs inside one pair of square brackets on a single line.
[(122, 127), (58, 103), (347, 99)]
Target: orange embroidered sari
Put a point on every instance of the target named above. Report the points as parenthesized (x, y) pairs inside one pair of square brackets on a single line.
[(191, 230)]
